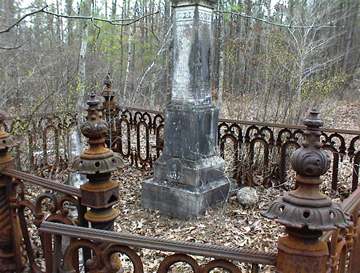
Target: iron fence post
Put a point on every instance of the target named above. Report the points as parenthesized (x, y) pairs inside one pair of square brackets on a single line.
[(110, 110), (305, 211), (100, 193), (11, 258)]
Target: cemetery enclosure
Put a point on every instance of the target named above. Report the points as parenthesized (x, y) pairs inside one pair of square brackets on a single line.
[(55, 224), (62, 228)]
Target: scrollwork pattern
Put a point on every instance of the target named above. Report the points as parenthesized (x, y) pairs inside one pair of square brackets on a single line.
[(139, 139)]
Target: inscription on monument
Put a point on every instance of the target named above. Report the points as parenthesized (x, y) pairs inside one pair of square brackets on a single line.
[(174, 170)]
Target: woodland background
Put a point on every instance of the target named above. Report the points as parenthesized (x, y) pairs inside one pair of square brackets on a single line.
[(272, 59)]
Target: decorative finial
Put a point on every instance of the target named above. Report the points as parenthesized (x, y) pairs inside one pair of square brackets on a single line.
[(109, 108), (310, 160), (306, 207), (313, 120), (107, 91), (100, 193), (93, 101), (97, 158), (95, 128), (107, 81)]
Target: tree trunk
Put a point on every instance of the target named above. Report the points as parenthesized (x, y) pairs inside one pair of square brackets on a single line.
[(82, 56)]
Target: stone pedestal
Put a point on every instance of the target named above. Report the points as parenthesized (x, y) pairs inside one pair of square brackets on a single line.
[(189, 176)]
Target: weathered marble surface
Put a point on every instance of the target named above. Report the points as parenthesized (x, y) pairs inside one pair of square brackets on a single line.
[(191, 55), (189, 176)]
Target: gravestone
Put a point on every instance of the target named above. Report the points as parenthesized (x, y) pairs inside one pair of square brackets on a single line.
[(189, 176)]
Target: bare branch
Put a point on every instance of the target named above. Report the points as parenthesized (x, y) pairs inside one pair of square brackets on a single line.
[(10, 48), (161, 49), (278, 24), (22, 18), (115, 22)]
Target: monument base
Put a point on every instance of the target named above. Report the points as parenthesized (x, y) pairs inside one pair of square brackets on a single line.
[(189, 176), (179, 199), (182, 202)]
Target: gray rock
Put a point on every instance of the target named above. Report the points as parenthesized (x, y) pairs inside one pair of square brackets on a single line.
[(247, 196)]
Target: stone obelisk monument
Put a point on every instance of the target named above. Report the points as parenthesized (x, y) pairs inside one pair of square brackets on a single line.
[(189, 176)]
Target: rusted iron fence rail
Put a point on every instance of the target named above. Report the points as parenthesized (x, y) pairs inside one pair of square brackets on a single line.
[(105, 243), (49, 201), (251, 149), (42, 182), (45, 219), (345, 243)]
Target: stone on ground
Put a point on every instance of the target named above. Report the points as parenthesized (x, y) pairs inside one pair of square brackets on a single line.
[(247, 196)]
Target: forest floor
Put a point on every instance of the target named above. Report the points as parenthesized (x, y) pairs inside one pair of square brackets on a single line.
[(345, 115), (230, 225)]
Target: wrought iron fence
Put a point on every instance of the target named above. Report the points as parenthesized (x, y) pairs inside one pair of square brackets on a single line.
[(62, 235), (43, 141), (248, 147), (255, 152), (35, 200)]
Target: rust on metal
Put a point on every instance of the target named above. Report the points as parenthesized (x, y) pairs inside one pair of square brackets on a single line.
[(6, 142), (138, 138), (345, 243), (219, 252), (43, 182), (11, 256), (305, 211), (116, 242), (110, 109), (319, 236), (97, 162)]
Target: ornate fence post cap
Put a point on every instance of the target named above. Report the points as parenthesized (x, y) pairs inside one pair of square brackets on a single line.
[(306, 207), (97, 158), (313, 119), (107, 80), (107, 90), (109, 106)]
